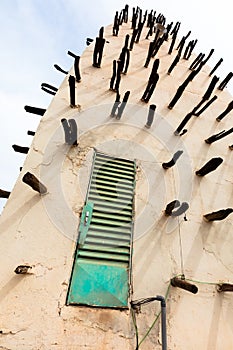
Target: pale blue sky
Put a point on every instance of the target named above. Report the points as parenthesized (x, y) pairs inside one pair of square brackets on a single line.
[(35, 34)]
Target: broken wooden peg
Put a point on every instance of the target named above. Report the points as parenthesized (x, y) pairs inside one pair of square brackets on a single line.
[(183, 123), (4, 194), (170, 206), (210, 166), (152, 82), (218, 215), (22, 269), (98, 49), (49, 88), (150, 116), (32, 181), (224, 287), (216, 66), (183, 284), (225, 112), (225, 81), (77, 69), (60, 69), (35, 110), (172, 161), (20, 149), (218, 136), (197, 114), (72, 91)]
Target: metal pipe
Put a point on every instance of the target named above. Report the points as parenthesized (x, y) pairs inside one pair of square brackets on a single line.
[(135, 304), (163, 320)]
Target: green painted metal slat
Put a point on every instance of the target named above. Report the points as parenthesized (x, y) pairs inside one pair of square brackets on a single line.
[(118, 200), (101, 268), (118, 181), (114, 210), (113, 168), (115, 216), (107, 241), (109, 222), (108, 262), (112, 188), (105, 256), (114, 236), (128, 186), (105, 249), (125, 166), (100, 172), (116, 230), (114, 160), (110, 194), (113, 206)]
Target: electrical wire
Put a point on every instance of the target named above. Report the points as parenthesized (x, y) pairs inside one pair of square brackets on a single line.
[(135, 326), (202, 282), (138, 344)]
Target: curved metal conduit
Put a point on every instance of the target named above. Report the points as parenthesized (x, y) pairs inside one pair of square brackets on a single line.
[(137, 303)]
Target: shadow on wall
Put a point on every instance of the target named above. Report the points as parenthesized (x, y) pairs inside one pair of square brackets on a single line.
[(214, 326), (9, 286), (5, 225)]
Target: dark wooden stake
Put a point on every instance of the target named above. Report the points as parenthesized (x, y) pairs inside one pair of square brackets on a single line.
[(4, 194), (34, 183), (225, 81), (72, 90), (98, 49), (216, 66), (183, 123), (20, 149), (183, 284), (197, 114), (224, 287), (170, 206), (150, 116), (210, 166), (77, 69), (50, 89), (22, 269), (218, 136), (218, 215), (35, 110), (225, 112), (60, 69), (173, 161)]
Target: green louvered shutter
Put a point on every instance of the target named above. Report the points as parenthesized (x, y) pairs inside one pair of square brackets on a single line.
[(101, 270)]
